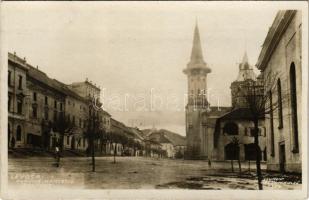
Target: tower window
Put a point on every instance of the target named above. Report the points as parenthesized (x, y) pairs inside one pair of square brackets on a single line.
[(34, 111), (34, 96), (46, 100), (19, 106)]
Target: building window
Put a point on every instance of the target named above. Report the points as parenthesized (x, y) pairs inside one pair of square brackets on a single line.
[(34, 96), (46, 114), (34, 111), (293, 97), (279, 104), (61, 106), (46, 100), (18, 133), (73, 119), (9, 78), (9, 133), (80, 122), (230, 128), (19, 106), (55, 115), (55, 104), (272, 136), (9, 102), (20, 82)]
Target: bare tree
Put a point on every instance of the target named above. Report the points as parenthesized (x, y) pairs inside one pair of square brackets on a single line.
[(93, 129), (259, 99), (236, 147), (64, 126)]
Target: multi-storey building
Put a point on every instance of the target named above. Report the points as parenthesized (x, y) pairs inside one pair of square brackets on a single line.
[(17, 93), (44, 112), (45, 107), (280, 61)]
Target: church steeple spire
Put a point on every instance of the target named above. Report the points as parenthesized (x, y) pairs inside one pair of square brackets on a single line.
[(197, 52), (245, 70), (197, 59)]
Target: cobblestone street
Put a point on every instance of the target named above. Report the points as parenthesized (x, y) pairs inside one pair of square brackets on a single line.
[(134, 173)]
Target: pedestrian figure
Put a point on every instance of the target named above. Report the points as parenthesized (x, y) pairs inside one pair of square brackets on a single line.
[(57, 156), (13, 142), (209, 163)]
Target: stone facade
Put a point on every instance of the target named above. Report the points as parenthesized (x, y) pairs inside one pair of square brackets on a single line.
[(280, 61)]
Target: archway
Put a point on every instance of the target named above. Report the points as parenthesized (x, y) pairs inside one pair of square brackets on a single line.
[(231, 151), (250, 151)]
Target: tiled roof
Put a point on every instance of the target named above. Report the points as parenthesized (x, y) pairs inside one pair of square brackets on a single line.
[(172, 137), (218, 111), (239, 113), (40, 76)]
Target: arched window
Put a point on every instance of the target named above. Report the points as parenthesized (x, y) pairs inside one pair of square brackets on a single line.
[(272, 136), (293, 97), (279, 104), (230, 128), (18, 133)]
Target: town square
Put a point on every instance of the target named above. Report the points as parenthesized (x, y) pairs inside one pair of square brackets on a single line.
[(154, 97)]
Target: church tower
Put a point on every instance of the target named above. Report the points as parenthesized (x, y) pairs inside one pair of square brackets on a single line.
[(196, 72), (245, 73)]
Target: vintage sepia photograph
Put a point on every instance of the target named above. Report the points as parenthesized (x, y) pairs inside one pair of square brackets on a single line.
[(153, 98)]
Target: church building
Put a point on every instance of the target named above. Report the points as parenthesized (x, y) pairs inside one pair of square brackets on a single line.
[(212, 131)]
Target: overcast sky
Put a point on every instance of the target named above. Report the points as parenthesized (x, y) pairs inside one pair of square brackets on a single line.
[(139, 50)]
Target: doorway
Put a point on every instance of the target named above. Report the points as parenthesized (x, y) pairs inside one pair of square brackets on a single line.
[(282, 157)]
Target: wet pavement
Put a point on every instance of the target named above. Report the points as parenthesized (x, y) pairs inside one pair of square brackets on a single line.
[(135, 173)]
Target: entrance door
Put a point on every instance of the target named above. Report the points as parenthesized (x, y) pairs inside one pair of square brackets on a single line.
[(282, 157)]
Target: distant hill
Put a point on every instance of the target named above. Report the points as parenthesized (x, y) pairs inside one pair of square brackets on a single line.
[(174, 138)]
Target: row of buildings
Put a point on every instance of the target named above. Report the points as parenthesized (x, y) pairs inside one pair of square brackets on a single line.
[(44, 113), (213, 131)]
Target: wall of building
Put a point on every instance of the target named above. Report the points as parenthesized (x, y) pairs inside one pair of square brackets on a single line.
[(16, 92), (244, 137), (287, 51)]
